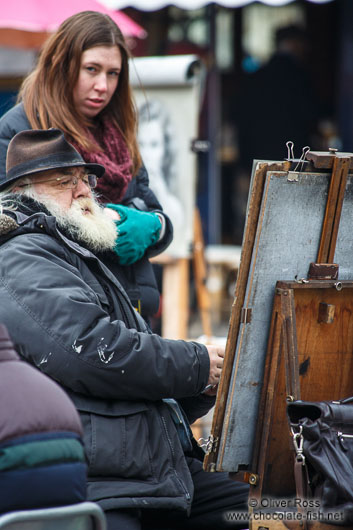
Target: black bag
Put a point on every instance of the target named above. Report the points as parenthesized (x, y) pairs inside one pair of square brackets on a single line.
[(323, 441)]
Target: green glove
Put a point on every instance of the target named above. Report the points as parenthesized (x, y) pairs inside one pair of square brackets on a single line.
[(136, 230)]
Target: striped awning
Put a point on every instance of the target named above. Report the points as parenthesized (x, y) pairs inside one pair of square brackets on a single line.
[(154, 5)]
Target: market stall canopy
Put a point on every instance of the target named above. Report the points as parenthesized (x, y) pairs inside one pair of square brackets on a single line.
[(27, 23), (154, 5)]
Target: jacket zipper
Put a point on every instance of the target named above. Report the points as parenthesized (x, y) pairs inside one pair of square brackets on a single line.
[(167, 435), (186, 493)]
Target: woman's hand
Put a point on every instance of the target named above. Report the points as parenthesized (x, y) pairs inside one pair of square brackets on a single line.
[(112, 214)]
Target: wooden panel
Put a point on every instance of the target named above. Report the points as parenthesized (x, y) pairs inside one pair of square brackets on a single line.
[(253, 211), (325, 362), (273, 458), (344, 247), (325, 350), (333, 209)]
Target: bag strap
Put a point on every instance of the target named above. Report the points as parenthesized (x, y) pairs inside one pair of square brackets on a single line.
[(302, 487), (346, 400), (301, 476)]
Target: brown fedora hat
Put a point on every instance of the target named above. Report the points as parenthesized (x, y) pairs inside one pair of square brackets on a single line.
[(35, 150)]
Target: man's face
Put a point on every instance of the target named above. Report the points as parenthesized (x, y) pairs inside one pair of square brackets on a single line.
[(60, 185), (67, 195)]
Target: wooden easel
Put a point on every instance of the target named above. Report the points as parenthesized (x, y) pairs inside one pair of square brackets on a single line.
[(310, 343), (310, 348)]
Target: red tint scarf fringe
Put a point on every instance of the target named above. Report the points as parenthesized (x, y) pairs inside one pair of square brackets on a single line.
[(115, 157)]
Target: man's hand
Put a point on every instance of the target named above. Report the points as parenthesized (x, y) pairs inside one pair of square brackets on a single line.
[(216, 354)]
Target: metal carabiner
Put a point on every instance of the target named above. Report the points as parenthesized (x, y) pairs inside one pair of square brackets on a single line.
[(298, 442)]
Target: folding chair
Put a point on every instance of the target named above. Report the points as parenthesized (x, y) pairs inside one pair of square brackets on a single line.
[(82, 516)]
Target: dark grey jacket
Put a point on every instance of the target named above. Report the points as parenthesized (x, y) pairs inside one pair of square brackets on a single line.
[(70, 317), (137, 279)]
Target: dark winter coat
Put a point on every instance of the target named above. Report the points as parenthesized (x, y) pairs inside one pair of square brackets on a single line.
[(72, 319), (138, 279), (42, 460)]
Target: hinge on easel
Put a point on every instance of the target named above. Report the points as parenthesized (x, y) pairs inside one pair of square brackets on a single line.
[(245, 315)]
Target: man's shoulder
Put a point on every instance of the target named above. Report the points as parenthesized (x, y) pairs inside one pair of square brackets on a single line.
[(18, 229)]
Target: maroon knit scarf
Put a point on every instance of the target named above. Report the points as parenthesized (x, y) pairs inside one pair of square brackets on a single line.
[(115, 157)]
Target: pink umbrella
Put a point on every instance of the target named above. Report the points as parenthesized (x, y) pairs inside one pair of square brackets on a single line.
[(27, 23)]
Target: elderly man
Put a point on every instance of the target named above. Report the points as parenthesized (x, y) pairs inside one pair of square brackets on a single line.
[(70, 317)]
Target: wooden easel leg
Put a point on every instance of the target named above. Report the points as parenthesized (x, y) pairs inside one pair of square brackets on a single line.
[(281, 382), (175, 290), (200, 274)]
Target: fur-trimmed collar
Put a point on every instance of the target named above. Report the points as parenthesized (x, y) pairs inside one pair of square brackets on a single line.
[(7, 224), (27, 206)]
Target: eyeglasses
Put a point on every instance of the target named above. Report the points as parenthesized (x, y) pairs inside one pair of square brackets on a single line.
[(70, 182)]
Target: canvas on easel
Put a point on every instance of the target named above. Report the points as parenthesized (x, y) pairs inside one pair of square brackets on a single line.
[(293, 218)]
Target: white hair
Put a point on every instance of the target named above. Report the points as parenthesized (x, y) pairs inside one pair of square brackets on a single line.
[(8, 199), (95, 229)]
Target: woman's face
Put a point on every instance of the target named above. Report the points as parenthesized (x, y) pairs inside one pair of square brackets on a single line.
[(97, 79)]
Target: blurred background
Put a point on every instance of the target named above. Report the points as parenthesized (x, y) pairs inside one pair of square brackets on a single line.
[(235, 43), (274, 71)]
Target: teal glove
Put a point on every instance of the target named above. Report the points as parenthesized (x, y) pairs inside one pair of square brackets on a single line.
[(136, 230)]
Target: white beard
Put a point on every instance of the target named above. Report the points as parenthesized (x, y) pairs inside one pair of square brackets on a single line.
[(93, 228)]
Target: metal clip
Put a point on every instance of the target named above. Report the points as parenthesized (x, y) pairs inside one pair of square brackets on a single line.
[(210, 443), (245, 315), (343, 435), (298, 440), (290, 150), (301, 160), (300, 280), (292, 176)]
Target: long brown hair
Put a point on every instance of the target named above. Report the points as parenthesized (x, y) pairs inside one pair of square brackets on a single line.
[(47, 92)]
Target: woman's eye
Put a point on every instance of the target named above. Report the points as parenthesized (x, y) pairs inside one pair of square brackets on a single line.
[(114, 74), (90, 68)]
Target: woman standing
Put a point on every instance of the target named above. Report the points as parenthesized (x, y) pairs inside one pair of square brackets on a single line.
[(81, 86)]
